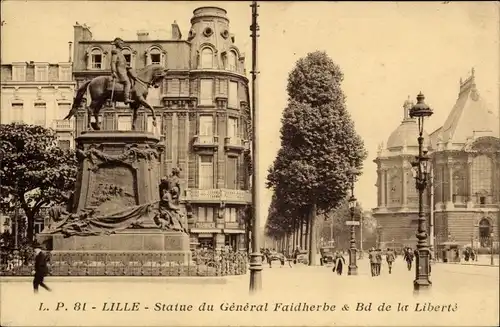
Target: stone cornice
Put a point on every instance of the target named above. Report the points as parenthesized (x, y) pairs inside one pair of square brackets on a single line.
[(36, 84), (218, 72)]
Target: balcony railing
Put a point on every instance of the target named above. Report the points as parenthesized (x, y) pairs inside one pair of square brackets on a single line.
[(232, 225), (61, 124), (206, 141), (219, 195), (235, 143), (204, 224)]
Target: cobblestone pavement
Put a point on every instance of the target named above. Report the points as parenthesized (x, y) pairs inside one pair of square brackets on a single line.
[(474, 290)]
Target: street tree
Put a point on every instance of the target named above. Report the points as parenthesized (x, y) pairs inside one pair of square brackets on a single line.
[(319, 144), (34, 171)]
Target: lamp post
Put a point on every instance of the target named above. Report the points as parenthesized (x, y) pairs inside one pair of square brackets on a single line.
[(421, 170), (255, 256), (353, 268)]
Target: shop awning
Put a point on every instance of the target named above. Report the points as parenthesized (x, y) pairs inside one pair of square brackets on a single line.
[(234, 231), (205, 230)]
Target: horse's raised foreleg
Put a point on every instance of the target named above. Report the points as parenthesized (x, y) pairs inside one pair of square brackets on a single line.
[(143, 102), (135, 107)]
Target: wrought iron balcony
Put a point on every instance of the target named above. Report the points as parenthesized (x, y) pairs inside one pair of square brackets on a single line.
[(63, 125), (204, 224), (235, 144), (205, 141), (219, 195), (233, 225)]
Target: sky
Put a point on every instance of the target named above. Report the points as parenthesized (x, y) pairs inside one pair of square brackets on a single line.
[(386, 50)]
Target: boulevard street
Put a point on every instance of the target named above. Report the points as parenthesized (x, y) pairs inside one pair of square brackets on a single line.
[(461, 295)]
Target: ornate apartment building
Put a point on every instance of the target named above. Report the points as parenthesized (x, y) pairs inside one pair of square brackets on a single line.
[(465, 154), (202, 111), (38, 93)]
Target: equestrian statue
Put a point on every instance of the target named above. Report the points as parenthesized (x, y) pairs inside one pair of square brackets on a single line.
[(124, 85)]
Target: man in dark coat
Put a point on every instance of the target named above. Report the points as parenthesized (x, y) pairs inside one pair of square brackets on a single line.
[(390, 257), (373, 261), (41, 269)]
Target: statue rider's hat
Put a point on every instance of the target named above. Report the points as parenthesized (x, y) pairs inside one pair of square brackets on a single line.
[(117, 40)]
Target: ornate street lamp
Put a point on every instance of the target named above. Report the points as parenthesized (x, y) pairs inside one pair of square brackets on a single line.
[(353, 268), (421, 170)]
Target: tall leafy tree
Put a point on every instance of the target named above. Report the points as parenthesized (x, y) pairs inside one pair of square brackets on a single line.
[(319, 144), (34, 171)]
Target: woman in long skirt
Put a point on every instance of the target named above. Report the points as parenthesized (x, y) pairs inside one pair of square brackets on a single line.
[(339, 263)]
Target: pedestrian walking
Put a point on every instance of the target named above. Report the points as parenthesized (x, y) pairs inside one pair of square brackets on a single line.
[(372, 255), (390, 257), (41, 269), (408, 257), (338, 263), (379, 261)]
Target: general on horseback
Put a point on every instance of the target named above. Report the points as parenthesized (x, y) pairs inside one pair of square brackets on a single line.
[(123, 85)]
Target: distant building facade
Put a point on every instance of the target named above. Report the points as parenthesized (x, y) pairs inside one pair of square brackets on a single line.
[(202, 110), (465, 154), (39, 93)]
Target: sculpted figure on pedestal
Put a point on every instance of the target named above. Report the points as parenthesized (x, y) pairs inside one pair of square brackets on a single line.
[(169, 216)]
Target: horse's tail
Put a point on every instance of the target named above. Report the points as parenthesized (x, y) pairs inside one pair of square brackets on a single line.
[(77, 100)]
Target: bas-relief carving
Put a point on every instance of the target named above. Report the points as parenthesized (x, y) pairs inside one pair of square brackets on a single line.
[(112, 188)]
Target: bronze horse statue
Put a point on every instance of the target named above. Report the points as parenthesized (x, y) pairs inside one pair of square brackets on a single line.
[(101, 90)]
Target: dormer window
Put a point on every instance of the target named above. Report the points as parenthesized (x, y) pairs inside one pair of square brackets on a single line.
[(129, 57), (19, 73), (207, 58), (65, 73), (155, 56), (232, 62), (96, 59), (41, 73)]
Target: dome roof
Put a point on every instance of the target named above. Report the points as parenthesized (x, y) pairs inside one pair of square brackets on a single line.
[(406, 136)]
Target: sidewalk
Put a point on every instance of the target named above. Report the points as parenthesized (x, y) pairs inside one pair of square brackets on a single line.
[(482, 260)]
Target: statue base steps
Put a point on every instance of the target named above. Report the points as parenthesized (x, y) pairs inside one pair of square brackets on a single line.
[(133, 245)]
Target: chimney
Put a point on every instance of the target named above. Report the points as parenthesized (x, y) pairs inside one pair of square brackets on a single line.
[(69, 50), (142, 35), (176, 31)]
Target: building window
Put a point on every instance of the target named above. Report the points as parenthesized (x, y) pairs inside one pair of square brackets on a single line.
[(206, 172), (155, 56), (484, 232), (64, 144), (232, 127), (63, 110), (395, 190), (64, 74), (96, 59), (205, 214), (40, 114), (232, 173), (482, 177), (232, 61), (230, 215), (19, 73), (233, 95), (151, 128), (17, 112), (41, 73), (206, 126), (207, 58), (124, 123), (206, 92)]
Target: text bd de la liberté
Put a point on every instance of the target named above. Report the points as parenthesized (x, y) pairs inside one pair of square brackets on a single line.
[(424, 306)]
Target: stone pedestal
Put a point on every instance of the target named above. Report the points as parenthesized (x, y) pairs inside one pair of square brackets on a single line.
[(119, 170)]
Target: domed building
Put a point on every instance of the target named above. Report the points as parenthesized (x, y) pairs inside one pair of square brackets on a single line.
[(397, 205), (465, 187)]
